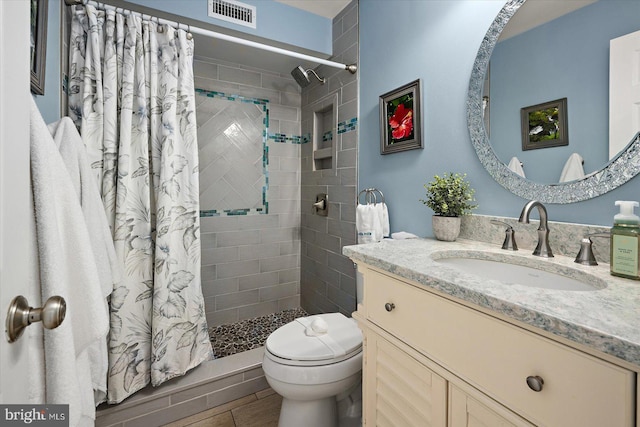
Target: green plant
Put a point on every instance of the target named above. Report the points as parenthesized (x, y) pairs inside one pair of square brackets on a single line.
[(450, 195)]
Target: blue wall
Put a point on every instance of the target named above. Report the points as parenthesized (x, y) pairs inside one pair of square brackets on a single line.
[(49, 103), (275, 21), (565, 58), (437, 41)]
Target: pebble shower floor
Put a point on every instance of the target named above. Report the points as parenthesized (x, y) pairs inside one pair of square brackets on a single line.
[(250, 333)]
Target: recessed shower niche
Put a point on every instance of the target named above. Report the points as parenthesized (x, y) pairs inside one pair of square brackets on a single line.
[(325, 119), (232, 141)]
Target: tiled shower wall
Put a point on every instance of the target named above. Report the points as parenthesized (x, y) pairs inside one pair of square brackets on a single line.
[(251, 263), (327, 277)]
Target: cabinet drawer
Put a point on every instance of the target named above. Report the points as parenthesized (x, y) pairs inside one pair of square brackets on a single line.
[(497, 358)]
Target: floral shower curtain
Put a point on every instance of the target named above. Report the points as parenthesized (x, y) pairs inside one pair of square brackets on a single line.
[(131, 94)]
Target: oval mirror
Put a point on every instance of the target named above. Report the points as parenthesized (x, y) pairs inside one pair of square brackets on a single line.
[(539, 98)]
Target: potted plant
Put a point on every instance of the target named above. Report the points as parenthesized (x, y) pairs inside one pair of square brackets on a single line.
[(450, 197)]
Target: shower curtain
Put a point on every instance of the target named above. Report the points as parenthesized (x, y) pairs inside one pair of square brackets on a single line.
[(131, 94)]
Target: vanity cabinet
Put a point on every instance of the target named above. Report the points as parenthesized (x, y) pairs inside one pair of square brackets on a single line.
[(405, 392), (466, 410), (430, 360)]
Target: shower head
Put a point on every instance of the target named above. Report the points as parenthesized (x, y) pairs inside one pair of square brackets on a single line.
[(302, 77)]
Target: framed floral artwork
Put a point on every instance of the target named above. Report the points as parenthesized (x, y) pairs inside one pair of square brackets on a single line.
[(544, 125), (38, 44), (400, 119)]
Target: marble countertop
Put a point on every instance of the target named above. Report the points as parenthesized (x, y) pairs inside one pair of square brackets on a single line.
[(606, 319)]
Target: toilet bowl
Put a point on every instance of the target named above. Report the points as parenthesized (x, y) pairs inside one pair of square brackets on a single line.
[(312, 363)]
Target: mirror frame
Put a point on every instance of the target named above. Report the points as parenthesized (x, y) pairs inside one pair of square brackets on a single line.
[(619, 170)]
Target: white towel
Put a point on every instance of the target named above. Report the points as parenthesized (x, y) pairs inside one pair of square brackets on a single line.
[(67, 268), (35, 374), (368, 223), (73, 153), (572, 169), (383, 214), (516, 166)]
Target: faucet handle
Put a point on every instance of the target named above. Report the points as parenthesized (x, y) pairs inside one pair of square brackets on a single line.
[(510, 236), (585, 255)]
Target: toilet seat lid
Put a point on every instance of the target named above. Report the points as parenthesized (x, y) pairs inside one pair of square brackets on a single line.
[(319, 337)]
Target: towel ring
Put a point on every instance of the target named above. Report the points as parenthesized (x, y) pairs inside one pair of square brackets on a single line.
[(370, 196)]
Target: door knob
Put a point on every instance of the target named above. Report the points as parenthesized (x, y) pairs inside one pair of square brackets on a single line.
[(20, 315)]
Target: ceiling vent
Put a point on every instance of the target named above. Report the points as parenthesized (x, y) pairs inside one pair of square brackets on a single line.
[(233, 11)]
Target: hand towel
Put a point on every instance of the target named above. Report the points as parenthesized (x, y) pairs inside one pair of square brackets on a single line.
[(383, 214), (516, 166), (73, 153), (572, 169), (67, 268), (368, 224)]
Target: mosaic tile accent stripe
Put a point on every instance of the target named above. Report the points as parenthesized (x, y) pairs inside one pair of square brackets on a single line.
[(347, 126), (232, 212), (343, 127), (214, 94), (282, 138), (265, 155)]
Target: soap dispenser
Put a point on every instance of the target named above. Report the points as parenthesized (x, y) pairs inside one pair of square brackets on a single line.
[(625, 241)]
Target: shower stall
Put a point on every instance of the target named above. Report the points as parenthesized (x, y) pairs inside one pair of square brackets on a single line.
[(265, 255)]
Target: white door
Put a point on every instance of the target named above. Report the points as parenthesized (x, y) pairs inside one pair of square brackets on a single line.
[(14, 189), (624, 91)]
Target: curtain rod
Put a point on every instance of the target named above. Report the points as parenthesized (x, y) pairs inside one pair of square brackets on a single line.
[(352, 68)]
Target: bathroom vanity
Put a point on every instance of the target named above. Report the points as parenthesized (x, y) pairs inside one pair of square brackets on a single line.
[(445, 347)]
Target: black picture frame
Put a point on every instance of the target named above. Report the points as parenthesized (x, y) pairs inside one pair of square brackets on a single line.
[(400, 126), (38, 45), (545, 125)]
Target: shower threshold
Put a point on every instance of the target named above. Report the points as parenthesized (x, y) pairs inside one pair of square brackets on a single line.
[(235, 372)]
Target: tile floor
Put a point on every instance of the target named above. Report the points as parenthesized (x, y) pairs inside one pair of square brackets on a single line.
[(260, 409), (250, 333)]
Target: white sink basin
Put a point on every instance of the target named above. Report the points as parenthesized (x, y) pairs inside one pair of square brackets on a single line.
[(507, 272)]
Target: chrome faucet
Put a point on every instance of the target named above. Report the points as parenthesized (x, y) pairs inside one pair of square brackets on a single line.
[(543, 249)]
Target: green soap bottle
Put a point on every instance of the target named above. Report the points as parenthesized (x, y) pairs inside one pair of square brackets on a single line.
[(625, 242)]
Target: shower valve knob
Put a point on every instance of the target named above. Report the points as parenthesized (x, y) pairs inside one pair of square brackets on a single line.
[(321, 207)]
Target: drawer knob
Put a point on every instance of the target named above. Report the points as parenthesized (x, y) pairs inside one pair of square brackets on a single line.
[(389, 306), (535, 383)]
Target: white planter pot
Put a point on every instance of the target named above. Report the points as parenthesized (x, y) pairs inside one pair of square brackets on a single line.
[(446, 228)]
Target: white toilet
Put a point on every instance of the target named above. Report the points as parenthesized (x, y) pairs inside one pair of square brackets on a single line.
[(315, 364)]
